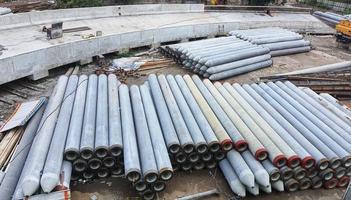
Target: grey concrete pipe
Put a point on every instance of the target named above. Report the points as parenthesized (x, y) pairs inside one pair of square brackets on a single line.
[(217, 127), (203, 124), (194, 129), (253, 190), (76, 123), (278, 186), (51, 173), (114, 117), (108, 161), (299, 173), (274, 173), (291, 124), (87, 141), (284, 52), (94, 163), (40, 145), (183, 133), (317, 182), (261, 175), (80, 165), (132, 167), (305, 183), (167, 126), (232, 179), (146, 153), (11, 182), (336, 103), (160, 150), (239, 143), (286, 172), (254, 144), (293, 159), (267, 189), (286, 45), (276, 39), (241, 168), (307, 159), (291, 185)]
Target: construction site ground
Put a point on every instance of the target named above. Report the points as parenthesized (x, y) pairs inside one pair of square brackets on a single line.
[(325, 51)]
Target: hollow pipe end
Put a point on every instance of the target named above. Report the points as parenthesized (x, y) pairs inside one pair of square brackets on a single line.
[(293, 161), (323, 164), (174, 148), (279, 161), (133, 175), (115, 150), (214, 147), (343, 181), (308, 162), (166, 174), (201, 148), (101, 152), (150, 176), (188, 148), (335, 162), (227, 145), (240, 145), (71, 154), (86, 153), (261, 154), (332, 183), (346, 161)]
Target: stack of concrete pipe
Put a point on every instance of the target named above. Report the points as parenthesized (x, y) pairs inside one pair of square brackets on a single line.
[(267, 135), (329, 17), (279, 41), (219, 58)]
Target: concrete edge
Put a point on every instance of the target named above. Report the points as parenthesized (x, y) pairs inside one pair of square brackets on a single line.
[(256, 8)]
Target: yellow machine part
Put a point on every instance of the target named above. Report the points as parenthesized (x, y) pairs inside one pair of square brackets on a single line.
[(344, 28)]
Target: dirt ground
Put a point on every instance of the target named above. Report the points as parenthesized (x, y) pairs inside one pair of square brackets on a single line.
[(325, 51)]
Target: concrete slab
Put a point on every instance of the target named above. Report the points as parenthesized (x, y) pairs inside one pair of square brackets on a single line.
[(29, 52)]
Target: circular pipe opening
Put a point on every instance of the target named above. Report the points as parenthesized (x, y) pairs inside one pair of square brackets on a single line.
[(206, 156), (174, 148), (180, 157), (186, 166), (227, 145), (94, 164), (159, 186), (116, 151), (199, 165), (279, 161), (305, 184), (219, 156), (308, 162), (80, 165), (194, 157), (312, 173), (140, 186), (332, 183), (347, 161), (103, 173), (292, 187), (335, 163), (261, 154), (117, 170), (88, 175), (109, 162), (294, 161), (71, 155), (241, 145), (101, 152), (300, 174), (148, 195), (202, 148), (348, 171), (86, 154), (133, 176), (188, 148), (343, 181), (211, 164), (323, 164), (215, 147), (151, 177), (275, 176), (340, 173), (317, 184), (166, 175), (287, 174), (328, 175)]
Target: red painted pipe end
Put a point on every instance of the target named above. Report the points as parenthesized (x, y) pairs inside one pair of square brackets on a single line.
[(261, 154), (308, 162), (279, 161), (241, 145)]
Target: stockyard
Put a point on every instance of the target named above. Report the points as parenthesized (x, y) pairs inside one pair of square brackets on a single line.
[(175, 100)]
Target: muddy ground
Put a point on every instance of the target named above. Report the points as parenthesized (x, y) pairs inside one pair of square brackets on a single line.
[(325, 51)]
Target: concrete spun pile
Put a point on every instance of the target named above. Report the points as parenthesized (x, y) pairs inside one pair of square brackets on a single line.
[(279, 41), (171, 122), (219, 58)]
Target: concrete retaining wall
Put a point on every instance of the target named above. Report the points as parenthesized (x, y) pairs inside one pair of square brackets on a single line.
[(51, 16)]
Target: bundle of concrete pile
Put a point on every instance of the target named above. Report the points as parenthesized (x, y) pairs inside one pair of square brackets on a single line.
[(330, 17), (219, 58), (312, 135), (279, 41)]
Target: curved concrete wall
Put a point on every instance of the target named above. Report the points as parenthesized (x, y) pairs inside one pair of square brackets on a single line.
[(62, 15)]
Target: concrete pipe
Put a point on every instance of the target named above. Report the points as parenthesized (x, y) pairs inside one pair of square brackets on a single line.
[(237, 115), (317, 182), (293, 159), (160, 150), (286, 173), (330, 184), (71, 150), (291, 124), (232, 179), (193, 157), (80, 165), (318, 127), (261, 175), (343, 181), (240, 70), (87, 142), (117, 170), (180, 157), (348, 171), (199, 165), (11, 182), (103, 172), (299, 173), (274, 153), (114, 117), (241, 168), (305, 183), (167, 126), (291, 114), (253, 190), (147, 158), (277, 39), (278, 186), (290, 51), (211, 164), (239, 143), (206, 156), (215, 124), (223, 99), (291, 185), (346, 118), (94, 163), (267, 189), (140, 185), (312, 172), (317, 117), (340, 172), (130, 152), (108, 162), (338, 125), (194, 129), (209, 135), (88, 175), (186, 166), (336, 103), (51, 172), (40, 145), (327, 174), (237, 64), (307, 160), (159, 186), (286, 45), (219, 155), (148, 194), (274, 173), (66, 171)]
